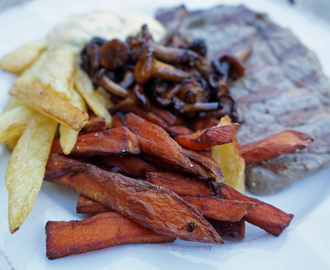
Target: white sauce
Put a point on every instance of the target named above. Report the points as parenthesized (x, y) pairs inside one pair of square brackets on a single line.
[(75, 32)]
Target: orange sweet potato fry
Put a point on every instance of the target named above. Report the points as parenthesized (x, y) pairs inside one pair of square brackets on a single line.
[(64, 238), (181, 184), (94, 124), (155, 118), (129, 165), (88, 206), (211, 166), (210, 207), (265, 216), (116, 121), (156, 142), (113, 141), (275, 145), (220, 209), (204, 139), (229, 230), (170, 118), (149, 205)]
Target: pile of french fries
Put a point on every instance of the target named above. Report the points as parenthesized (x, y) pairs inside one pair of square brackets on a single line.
[(138, 183)]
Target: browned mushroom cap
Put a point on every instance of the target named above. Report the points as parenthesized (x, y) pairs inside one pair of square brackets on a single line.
[(101, 79), (173, 55), (148, 67), (138, 90), (236, 68), (143, 67), (114, 54), (191, 91)]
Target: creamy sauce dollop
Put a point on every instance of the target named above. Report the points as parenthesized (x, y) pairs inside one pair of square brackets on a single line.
[(75, 32)]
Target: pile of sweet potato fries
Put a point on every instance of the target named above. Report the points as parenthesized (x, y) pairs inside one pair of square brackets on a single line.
[(151, 177)]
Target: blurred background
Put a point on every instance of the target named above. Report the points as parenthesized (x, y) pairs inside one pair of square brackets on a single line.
[(320, 8)]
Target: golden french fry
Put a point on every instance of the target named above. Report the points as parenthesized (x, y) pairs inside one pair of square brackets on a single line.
[(53, 70), (12, 143), (85, 88), (12, 103), (36, 97), (103, 95), (68, 136), (26, 168), (13, 122), (229, 158), (21, 58)]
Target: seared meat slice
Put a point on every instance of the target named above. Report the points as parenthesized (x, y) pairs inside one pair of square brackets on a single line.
[(284, 87)]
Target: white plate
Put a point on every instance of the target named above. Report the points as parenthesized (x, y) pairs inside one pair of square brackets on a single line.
[(304, 245)]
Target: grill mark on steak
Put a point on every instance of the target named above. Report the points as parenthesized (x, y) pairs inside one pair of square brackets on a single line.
[(283, 87)]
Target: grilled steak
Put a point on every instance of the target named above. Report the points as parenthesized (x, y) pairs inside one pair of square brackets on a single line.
[(284, 87)]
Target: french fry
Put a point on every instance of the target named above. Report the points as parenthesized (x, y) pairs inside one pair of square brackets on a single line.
[(284, 142), (152, 117), (265, 216), (68, 136), (228, 229), (212, 167), (156, 142), (26, 168), (210, 207), (231, 162), (36, 97), (220, 209), (53, 71), (181, 184), (204, 139), (93, 98), (88, 206), (21, 58), (13, 122), (100, 231), (94, 124), (11, 144), (104, 97), (129, 165), (149, 205), (12, 103), (111, 141)]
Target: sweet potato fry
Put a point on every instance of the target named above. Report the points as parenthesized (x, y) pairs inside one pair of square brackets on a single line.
[(206, 162), (181, 184), (112, 141), (170, 118), (100, 231), (229, 230), (94, 124), (210, 207), (154, 118), (265, 216), (156, 142), (88, 206), (220, 209), (204, 139), (284, 142), (129, 165), (151, 206)]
